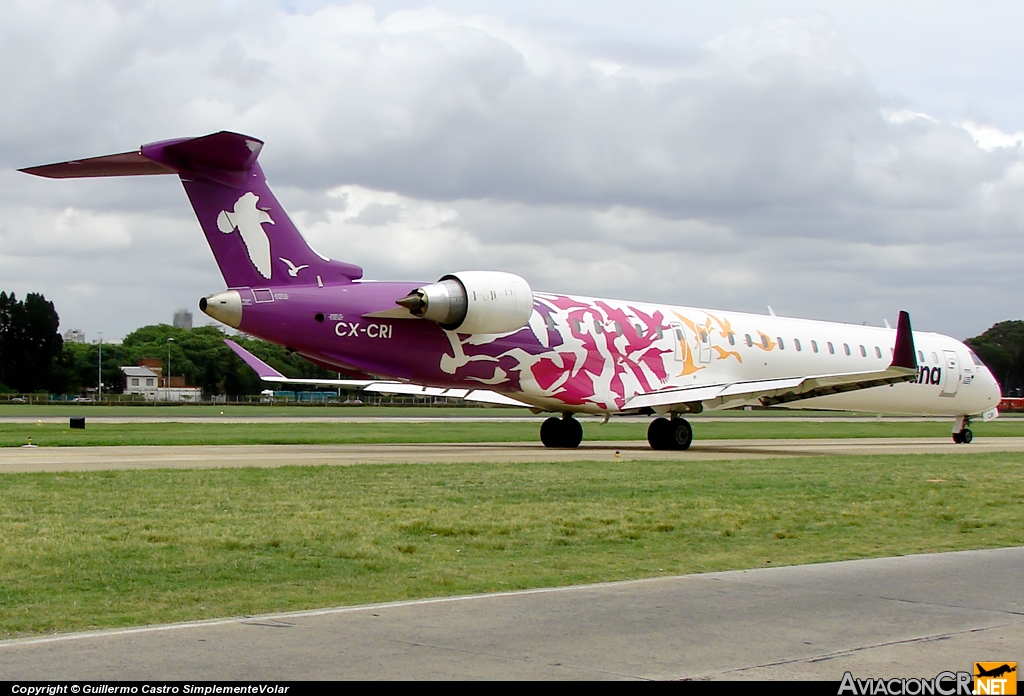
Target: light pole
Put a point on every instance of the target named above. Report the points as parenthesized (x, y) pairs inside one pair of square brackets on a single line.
[(99, 371), (168, 383)]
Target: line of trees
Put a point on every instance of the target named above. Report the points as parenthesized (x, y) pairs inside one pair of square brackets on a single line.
[(1001, 348), (30, 345), (34, 357), (199, 355)]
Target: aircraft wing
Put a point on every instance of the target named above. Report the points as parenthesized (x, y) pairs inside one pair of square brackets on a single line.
[(269, 374), (772, 392)]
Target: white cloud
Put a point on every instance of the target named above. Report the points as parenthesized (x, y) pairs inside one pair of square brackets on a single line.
[(759, 166), (990, 138)]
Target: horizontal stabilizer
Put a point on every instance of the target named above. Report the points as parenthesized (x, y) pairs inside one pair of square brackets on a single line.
[(123, 164), (224, 157)]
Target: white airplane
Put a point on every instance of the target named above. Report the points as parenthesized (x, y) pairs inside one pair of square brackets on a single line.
[(486, 336)]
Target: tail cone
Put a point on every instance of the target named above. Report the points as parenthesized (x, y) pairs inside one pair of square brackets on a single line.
[(225, 307)]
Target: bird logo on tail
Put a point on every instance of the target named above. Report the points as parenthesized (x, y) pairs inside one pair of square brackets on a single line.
[(248, 220)]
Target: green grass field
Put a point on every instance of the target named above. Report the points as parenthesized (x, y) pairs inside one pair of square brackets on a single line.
[(118, 548), (53, 434)]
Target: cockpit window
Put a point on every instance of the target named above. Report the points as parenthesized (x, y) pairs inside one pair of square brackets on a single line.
[(975, 358)]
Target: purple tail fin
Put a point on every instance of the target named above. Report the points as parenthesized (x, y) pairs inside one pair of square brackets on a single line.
[(252, 238)]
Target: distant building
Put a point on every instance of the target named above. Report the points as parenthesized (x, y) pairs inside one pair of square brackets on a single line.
[(183, 319), (147, 379), (140, 380), (74, 336)]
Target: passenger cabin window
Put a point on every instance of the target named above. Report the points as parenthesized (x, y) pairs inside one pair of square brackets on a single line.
[(831, 348), (549, 321), (618, 328), (863, 351), (661, 334), (765, 341), (878, 352), (935, 358), (703, 336), (814, 346), (750, 343), (846, 347), (577, 326), (920, 356), (598, 329), (796, 344), (732, 339), (782, 346)]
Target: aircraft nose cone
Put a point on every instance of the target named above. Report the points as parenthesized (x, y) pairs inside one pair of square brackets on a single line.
[(225, 307)]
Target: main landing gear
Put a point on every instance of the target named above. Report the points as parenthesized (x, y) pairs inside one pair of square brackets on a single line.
[(565, 432), (665, 434), (962, 435)]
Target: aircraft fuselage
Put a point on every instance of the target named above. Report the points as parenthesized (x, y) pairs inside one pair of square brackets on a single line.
[(588, 355)]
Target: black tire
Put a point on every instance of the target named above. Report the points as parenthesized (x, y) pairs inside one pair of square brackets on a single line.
[(681, 434), (551, 432), (659, 434), (966, 436), (958, 438), (572, 432)]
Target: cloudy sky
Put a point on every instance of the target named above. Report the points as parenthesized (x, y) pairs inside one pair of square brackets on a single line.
[(833, 160)]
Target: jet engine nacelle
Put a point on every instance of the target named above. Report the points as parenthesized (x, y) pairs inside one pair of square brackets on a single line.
[(474, 302)]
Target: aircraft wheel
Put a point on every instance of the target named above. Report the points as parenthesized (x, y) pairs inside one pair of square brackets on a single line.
[(966, 436), (659, 434), (561, 432), (572, 432), (682, 434), (958, 438), (551, 432)]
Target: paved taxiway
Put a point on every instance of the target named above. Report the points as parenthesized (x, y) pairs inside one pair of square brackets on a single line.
[(913, 616), (23, 459)]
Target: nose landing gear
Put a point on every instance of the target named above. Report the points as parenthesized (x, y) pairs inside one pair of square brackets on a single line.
[(962, 435), (665, 434), (565, 432)]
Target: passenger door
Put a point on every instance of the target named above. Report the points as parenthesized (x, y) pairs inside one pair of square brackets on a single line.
[(951, 380)]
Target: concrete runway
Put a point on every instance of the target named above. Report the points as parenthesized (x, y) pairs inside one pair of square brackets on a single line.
[(23, 459), (913, 616)]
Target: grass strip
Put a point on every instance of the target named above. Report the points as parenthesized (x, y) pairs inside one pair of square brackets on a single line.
[(119, 548), (105, 434)]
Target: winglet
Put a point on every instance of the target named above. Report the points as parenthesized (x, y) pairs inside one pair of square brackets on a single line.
[(904, 354), (264, 370)]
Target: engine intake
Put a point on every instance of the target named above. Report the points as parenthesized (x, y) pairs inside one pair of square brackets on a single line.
[(474, 302)]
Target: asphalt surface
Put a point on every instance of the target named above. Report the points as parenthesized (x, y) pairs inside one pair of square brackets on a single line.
[(913, 616), (24, 459)]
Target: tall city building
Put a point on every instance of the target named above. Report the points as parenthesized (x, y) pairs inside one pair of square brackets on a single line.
[(183, 319)]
